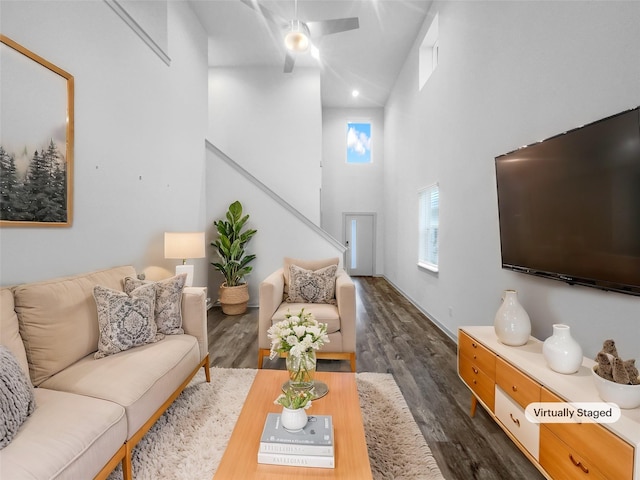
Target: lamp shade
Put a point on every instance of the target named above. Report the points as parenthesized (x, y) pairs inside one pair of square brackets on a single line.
[(184, 245)]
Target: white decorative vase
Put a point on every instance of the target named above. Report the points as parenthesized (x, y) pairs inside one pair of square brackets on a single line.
[(512, 324), (562, 353), (293, 419)]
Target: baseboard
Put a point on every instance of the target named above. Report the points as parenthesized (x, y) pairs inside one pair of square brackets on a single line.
[(453, 336)]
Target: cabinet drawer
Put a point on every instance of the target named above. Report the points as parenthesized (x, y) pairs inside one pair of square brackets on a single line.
[(512, 417), (517, 385), (594, 443), (481, 384), (482, 357), (562, 462)]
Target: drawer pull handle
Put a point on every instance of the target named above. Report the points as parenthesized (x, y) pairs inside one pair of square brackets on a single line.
[(515, 420), (474, 345), (475, 356), (514, 388), (578, 464), (475, 370), (474, 381)]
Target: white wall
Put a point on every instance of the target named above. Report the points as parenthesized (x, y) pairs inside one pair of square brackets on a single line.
[(509, 74), (139, 139), (348, 187), (280, 233), (271, 124)]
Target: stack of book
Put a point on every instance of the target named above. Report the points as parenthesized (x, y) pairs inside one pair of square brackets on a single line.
[(310, 447)]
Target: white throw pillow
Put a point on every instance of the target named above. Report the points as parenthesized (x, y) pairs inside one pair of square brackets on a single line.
[(168, 309), (125, 321), (307, 286)]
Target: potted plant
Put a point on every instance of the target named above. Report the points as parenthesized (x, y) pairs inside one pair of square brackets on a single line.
[(230, 246), (294, 403)]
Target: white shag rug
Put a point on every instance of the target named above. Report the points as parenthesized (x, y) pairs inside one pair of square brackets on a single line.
[(188, 441)]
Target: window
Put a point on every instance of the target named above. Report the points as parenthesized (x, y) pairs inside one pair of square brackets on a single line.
[(428, 53), (428, 226), (358, 142)]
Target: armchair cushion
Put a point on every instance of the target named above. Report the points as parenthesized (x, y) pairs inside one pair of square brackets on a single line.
[(322, 312), (308, 286)]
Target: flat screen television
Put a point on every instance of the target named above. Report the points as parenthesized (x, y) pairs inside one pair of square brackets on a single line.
[(569, 206)]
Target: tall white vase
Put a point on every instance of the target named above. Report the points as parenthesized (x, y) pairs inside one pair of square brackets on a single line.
[(512, 323), (562, 353)]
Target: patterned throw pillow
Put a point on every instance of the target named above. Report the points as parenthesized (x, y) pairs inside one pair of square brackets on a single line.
[(125, 321), (16, 397), (308, 286), (168, 309)]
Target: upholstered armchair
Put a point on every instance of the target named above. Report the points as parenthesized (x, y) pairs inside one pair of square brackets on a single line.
[(280, 292)]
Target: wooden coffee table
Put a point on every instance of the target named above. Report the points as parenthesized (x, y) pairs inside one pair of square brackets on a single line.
[(240, 459)]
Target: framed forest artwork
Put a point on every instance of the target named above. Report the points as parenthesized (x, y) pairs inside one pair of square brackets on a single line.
[(36, 140)]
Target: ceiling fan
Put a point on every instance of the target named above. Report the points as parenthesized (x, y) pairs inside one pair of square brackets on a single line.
[(298, 34)]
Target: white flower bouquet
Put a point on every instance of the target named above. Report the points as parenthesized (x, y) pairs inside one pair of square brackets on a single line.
[(297, 334)]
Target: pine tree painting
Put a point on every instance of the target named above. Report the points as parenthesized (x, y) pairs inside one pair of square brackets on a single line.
[(40, 193), (36, 140)]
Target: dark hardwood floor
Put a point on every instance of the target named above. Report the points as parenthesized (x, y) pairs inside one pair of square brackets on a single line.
[(395, 337)]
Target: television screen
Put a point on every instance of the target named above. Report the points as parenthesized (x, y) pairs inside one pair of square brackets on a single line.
[(569, 206)]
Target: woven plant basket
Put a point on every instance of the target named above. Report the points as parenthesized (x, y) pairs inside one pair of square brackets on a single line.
[(234, 300)]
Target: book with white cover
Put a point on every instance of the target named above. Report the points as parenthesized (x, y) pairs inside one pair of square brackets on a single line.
[(317, 461)]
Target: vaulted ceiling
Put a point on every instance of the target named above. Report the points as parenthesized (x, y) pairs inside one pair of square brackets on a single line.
[(368, 59)]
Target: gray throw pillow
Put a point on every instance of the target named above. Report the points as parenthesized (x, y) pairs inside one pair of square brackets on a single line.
[(308, 286), (168, 309), (125, 321), (16, 397)]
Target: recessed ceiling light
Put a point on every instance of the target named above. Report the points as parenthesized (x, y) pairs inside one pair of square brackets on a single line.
[(355, 93)]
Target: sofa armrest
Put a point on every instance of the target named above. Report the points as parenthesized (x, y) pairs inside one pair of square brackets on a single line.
[(346, 300), (271, 292), (194, 316)]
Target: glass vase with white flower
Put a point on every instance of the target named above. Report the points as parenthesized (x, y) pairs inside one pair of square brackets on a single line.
[(299, 336)]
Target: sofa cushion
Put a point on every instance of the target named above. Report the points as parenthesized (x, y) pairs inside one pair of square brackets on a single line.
[(125, 321), (322, 312), (59, 321), (9, 331), (67, 437), (309, 286), (151, 374), (307, 265), (16, 396), (168, 308)]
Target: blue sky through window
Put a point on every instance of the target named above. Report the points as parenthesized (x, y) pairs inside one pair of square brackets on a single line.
[(358, 142)]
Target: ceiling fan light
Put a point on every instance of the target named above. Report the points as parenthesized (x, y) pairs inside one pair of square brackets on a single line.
[(297, 38)]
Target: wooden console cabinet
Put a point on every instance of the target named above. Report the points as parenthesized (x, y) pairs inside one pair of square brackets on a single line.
[(504, 380)]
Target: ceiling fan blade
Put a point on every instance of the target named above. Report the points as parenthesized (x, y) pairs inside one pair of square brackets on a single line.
[(327, 27), (272, 17), (289, 62)]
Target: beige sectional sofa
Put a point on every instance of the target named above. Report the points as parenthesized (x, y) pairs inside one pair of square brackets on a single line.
[(90, 412)]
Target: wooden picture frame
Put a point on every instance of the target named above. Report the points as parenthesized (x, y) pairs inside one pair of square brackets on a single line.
[(36, 140)]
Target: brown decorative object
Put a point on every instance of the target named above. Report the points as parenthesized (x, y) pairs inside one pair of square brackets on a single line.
[(612, 367), (36, 163), (234, 300)]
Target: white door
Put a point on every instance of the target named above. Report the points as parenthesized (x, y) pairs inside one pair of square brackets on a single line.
[(359, 236)]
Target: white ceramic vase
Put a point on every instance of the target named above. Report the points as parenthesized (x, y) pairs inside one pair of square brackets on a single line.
[(512, 324), (293, 419), (562, 353)]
